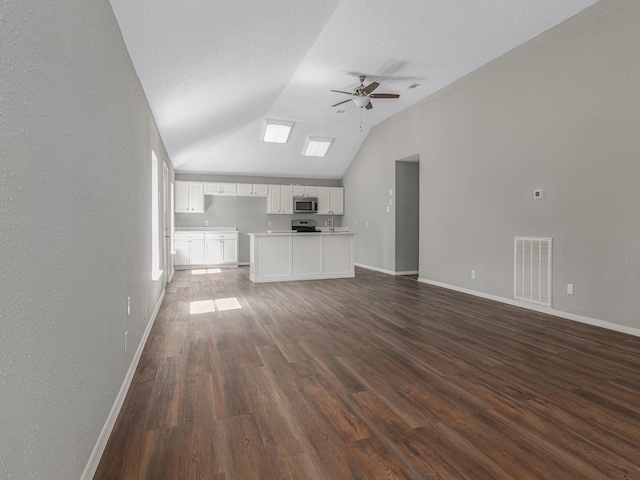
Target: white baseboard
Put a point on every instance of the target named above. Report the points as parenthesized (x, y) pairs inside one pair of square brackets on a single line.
[(539, 308), (388, 272), (98, 449), (375, 269)]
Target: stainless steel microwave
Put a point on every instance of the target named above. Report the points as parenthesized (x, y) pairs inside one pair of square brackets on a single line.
[(305, 204)]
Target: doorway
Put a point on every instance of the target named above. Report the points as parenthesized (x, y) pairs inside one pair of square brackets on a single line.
[(407, 216)]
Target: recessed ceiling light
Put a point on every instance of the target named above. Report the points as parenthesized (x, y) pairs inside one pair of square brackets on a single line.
[(276, 131), (341, 111), (413, 85), (316, 146)]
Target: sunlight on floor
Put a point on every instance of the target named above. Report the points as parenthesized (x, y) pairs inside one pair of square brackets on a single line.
[(221, 305), (203, 271)]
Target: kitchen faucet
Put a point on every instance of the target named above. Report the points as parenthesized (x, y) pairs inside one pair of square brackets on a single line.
[(331, 227)]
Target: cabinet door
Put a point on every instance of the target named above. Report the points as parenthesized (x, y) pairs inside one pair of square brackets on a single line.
[(212, 254), (211, 188), (244, 189), (286, 200), (182, 252), (196, 197), (337, 200), (228, 189), (229, 251), (324, 200), (181, 197), (196, 252), (298, 190), (274, 199), (311, 191), (261, 190)]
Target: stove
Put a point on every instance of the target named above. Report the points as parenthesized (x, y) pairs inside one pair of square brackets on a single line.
[(304, 226)]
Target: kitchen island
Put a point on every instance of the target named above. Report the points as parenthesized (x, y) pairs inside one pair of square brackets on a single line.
[(286, 256)]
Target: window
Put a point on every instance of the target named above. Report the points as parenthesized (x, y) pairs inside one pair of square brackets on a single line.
[(156, 273)]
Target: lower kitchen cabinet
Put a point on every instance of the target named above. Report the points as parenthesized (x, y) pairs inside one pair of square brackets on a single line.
[(189, 248), (205, 249), (221, 248)]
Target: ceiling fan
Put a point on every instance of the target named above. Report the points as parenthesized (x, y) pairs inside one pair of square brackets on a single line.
[(362, 95)]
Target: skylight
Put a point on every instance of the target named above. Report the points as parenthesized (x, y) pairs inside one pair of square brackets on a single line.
[(316, 146), (276, 131)]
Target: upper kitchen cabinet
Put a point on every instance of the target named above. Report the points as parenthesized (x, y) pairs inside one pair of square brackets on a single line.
[(331, 199), (252, 190), (304, 191), (189, 197), (216, 188), (280, 199)]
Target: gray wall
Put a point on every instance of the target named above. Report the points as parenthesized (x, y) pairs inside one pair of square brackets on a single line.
[(76, 136), (407, 215), (248, 214), (558, 113)]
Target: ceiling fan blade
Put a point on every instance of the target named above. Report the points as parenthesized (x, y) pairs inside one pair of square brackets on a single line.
[(369, 106), (340, 91), (384, 95), (371, 87), (340, 103)]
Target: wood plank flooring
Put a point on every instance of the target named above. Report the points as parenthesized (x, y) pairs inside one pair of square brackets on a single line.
[(374, 377)]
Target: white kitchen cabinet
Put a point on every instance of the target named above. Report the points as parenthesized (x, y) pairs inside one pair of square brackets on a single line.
[(190, 248), (280, 199), (217, 188), (304, 191), (336, 199), (281, 257), (221, 248), (189, 197), (331, 199), (252, 190)]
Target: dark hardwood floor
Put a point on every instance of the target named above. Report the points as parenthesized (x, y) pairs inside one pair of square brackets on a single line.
[(376, 377)]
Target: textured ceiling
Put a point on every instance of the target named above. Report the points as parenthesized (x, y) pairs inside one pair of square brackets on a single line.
[(213, 71)]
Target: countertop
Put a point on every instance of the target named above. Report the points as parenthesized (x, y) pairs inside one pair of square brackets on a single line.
[(287, 232), (207, 229)]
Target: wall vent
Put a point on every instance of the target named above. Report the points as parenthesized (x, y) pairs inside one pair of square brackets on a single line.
[(532, 267)]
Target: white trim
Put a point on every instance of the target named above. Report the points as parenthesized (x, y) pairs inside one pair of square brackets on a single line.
[(376, 269), (388, 272), (98, 449), (539, 308)]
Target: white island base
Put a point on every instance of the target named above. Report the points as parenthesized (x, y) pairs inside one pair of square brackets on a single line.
[(281, 257)]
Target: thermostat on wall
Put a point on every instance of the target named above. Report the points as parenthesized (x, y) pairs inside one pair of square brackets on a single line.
[(538, 193)]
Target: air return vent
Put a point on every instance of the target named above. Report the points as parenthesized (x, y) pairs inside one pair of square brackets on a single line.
[(532, 264)]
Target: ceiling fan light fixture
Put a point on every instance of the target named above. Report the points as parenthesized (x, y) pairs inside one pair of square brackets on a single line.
[(361, 101), (316, 146), (276, 131)]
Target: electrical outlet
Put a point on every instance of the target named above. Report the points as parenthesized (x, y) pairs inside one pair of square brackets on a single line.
[(366, 223), (270, 224), (390, 191), (355, 223), (126, 334), (570, 288), (128, 306), (206, 223), (388, 209), (391, 201), (473, 274)]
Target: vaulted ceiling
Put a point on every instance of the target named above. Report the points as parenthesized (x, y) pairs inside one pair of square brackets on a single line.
[(213, 71)]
